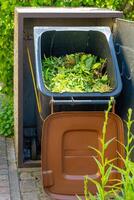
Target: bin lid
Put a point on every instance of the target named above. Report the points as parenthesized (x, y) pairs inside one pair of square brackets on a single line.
[(66, 156)]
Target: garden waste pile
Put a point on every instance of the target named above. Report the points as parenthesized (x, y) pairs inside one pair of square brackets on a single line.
[(79, 72)]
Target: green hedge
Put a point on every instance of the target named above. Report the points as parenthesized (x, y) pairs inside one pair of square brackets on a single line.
[(7, 24)]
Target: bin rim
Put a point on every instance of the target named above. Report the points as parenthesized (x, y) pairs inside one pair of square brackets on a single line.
[(39, 30), (79, 113)]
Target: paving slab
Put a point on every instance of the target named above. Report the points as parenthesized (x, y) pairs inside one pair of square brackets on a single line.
[(30, 196), (5, 190), (18, 184), (12, 171), (27, 186), (5, 197), (3, 172)]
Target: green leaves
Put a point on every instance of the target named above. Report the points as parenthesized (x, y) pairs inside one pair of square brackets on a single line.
[(117, 189), (89, 62), (107, 174), (128, 171), (104, 165), (96, 66), (77, 72), (6, 116), (108, 143)]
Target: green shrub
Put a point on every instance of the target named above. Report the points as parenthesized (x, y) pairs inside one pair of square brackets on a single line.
[(6, 116)]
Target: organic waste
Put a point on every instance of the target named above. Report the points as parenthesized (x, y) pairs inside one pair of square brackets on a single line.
[(79, 72)]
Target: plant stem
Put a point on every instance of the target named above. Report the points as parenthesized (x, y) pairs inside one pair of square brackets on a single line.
[(103, 160)]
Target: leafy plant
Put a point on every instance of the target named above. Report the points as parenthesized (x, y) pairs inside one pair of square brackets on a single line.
[(127, 173), (77, 72), (105, 167), (124, 188), (6, 116)]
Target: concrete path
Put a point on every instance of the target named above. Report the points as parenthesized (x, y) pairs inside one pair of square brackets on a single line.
[(18, 184)]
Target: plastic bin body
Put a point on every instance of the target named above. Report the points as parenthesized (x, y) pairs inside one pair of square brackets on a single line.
[(59, 41)]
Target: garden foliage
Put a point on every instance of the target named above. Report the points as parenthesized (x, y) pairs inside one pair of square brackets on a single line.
[(7, 25), (79, 72), (122, 189)]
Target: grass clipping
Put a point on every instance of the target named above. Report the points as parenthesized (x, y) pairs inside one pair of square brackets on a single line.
[(77, 72)]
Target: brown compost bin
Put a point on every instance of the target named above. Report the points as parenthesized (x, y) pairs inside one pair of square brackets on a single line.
[(66, 157)]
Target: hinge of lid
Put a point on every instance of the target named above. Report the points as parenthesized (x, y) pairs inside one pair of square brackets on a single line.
[(48, 179)]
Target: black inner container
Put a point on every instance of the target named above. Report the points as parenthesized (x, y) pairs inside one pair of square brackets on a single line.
[(60, 43)]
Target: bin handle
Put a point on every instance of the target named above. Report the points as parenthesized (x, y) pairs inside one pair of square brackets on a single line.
[(72, 101), (34, 84)]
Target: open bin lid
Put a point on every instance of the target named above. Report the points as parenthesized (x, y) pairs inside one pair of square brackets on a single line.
[(66, 157)]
